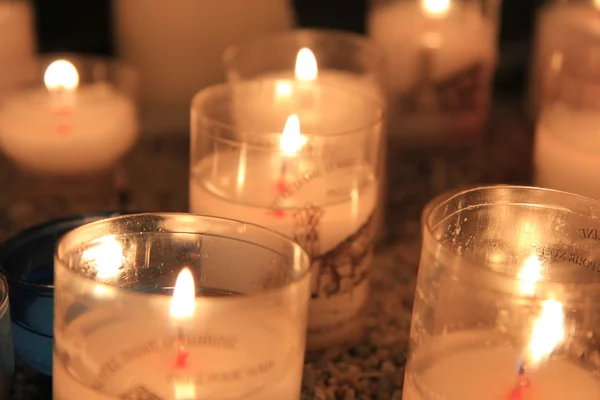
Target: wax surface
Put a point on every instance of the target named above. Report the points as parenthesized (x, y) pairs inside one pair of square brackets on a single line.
[(490, 373), (87, 135), (567, 143)]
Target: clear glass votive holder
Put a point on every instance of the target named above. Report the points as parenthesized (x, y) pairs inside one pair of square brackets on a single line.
[(562, 27), (70, 123), (567, 138), (308, 169), (342, 59), (26, 260), (7, 361), (441, 61), (178, 306), (506, 304)]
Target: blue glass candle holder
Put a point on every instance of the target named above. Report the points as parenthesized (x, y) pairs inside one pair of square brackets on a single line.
[(27, 260)]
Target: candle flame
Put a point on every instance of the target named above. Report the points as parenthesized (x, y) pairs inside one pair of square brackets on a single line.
[(548, 331), (306, 65), (184, 295), (530, 275), (61, 75), (436, 7), (291, 140), (106, 256)]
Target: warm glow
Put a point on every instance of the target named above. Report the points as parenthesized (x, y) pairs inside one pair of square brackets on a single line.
[(530, 275), (291, 140), (185, 390), (106, 256), (306, 65), (548, 331), (283, 88), (184, 295), (436, 7), (61, 75)]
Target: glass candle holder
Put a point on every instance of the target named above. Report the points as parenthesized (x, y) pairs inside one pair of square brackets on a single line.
[(441, 63), (17, 42), (177, 306), (506, 305), (337, 58), (27, 261), (177, 48), (304, 165), (562, 26), (567, 138), (7, 362)]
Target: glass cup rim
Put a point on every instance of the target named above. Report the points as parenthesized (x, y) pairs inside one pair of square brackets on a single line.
[(38, 64), (42, 229), (445, 198), (203, 96), (298, 35), (294, 246)]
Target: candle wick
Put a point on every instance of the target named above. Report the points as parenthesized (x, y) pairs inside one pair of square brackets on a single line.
[(181, 360)]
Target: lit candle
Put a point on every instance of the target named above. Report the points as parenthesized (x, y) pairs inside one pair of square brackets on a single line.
[(177, 47), (68, 128), (198, 343), (567, 142), (480, 364), (326, 206), (441, 61), (305, 91), (17, 44)]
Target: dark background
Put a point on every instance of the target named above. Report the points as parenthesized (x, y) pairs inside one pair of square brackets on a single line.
[(85, 26)]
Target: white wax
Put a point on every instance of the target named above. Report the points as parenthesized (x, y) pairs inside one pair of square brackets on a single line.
[(563, 29), (177, 47), (346, 196), (475, 373), (252, 354), (17, 44), (461, 39), (86, 136), (567, 144)]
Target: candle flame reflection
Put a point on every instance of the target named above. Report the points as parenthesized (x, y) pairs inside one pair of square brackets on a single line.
[(548, 332), (436, 7), (183, 303), (106, 256), (530, 275), (291, 140), (61, 75), (185, 390), (306, 65)]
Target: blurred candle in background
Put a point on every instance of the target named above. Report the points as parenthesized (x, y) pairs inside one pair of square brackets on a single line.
[(442, 54), (177, 48), (572, 26), (17, 44)]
